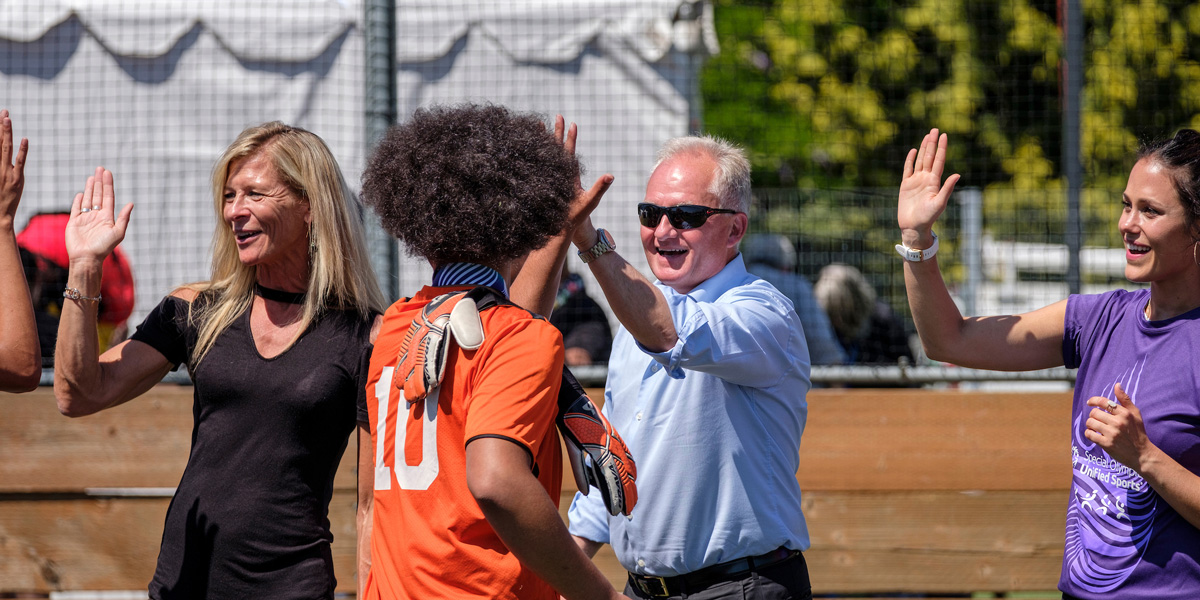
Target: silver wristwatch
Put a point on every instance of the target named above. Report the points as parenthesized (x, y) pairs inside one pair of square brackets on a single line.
[(604, 245)]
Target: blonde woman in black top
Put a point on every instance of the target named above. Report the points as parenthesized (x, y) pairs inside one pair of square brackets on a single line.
[(276, 342)]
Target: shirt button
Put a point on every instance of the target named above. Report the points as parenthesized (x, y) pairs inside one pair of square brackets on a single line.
[(639, 415), (641, 563)]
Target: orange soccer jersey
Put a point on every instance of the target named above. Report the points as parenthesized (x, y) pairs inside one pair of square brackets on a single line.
[(429, 538)]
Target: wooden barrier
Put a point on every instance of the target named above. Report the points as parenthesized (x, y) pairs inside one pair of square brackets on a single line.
[(905, 491)]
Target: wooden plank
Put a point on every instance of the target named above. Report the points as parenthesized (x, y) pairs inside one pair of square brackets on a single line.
[(937, 542), (866, 542), (882, 473), (935, 440), (855, 439), (142, 443), (862, 542), (52, 544), (62, 542)]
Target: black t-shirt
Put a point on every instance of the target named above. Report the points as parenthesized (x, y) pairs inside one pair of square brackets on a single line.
[(250, 518)]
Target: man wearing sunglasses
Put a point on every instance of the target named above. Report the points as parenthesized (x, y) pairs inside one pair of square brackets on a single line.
[(706, 384)]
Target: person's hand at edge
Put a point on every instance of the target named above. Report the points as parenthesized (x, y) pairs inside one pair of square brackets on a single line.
[(923, 196)]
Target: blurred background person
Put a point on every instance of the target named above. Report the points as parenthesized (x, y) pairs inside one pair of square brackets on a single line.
[(582, 322), (866, 327), (277, 343), (20, 358), (772, 257), (46, 320)]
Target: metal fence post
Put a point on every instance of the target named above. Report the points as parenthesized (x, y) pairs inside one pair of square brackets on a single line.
[(1072, 21), (972, 247), (379, 32)]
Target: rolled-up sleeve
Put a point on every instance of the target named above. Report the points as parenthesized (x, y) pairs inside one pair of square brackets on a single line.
[(745, 338)]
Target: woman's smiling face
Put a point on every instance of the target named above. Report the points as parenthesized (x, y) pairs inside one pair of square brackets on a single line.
[(1154, 225), (269, 219)]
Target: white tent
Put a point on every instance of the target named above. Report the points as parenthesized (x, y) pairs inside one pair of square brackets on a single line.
[(155, 89)]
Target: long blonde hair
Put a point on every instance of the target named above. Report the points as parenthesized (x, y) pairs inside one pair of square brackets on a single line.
[(340, 275)]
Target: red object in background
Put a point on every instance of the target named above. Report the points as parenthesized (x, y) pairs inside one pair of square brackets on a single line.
[(44, 236)]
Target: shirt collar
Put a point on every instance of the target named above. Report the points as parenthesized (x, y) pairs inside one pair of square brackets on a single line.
[(469, 274), (709, 290)]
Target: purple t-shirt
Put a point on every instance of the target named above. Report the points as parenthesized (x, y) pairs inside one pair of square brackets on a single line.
[(1120, 534)]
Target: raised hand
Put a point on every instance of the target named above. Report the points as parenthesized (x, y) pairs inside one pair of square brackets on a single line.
[(12, 174), (585, 200), (923, 196), (94, 229)]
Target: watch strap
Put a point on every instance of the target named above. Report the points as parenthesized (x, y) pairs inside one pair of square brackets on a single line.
[(604, 245), (915, 255)]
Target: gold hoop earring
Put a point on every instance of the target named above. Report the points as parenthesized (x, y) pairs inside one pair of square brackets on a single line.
[(1195, 257)]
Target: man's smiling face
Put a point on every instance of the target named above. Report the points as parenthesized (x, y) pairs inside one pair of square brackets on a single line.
[(684, 258)]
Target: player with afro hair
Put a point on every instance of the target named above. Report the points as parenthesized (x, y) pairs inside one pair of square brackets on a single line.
[(467, 463)]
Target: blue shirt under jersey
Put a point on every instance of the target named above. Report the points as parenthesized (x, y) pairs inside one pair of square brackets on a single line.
[(714, 425)]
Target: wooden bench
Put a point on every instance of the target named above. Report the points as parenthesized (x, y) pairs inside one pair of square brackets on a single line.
[(905, 491)]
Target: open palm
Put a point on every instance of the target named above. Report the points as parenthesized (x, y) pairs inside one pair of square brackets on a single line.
[(923, 196), (94, 229), (12, 169)]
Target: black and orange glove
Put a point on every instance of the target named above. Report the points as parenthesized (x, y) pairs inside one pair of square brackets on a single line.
[(599, 457), (448, 318)]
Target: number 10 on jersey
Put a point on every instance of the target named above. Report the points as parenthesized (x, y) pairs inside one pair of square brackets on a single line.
[(408, 477)]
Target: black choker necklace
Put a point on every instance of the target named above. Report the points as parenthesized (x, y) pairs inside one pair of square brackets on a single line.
[(279, 295)]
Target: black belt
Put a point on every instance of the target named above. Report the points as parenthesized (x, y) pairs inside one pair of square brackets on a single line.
[(726, 571)]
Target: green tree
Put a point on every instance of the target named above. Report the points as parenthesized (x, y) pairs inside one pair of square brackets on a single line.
[(828, 96), (831, 94)]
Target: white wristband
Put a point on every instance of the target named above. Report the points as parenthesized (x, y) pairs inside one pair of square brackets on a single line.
[(913, 255)]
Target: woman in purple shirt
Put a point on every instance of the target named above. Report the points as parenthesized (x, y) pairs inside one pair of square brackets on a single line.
[(1134, 511)]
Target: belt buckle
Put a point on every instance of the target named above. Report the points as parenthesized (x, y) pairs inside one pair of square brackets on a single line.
[(644, 584)]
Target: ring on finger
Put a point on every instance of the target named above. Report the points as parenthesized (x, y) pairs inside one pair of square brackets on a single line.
[(84, 209), (95, 207), (1112, 405)]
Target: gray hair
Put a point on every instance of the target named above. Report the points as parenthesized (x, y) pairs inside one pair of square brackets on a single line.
[(770, 249), (731, 181), (847, 298)]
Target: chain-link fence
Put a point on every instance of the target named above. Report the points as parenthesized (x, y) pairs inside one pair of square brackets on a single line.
[(155, 91), (827, 96)]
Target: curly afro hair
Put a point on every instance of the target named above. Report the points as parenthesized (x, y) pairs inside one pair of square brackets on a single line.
[(471, 183)]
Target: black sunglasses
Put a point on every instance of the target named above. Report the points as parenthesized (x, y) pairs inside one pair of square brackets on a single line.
[(680, 216)]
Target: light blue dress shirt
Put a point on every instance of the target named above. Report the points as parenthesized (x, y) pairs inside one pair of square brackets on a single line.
[(714, 425)]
